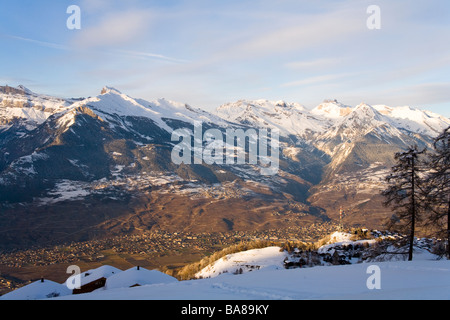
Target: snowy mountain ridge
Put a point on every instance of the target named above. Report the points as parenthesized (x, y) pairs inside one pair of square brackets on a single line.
[(112, 102), (289, 118), (293, 118)]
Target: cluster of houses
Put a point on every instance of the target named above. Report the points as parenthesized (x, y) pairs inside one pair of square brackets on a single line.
[(103, 278)]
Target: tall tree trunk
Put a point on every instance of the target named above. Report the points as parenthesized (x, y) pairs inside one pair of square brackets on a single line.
[(413, 210), (448, 228), (448, 205)]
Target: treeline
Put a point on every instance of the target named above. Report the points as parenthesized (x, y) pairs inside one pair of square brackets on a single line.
[(419, 191)]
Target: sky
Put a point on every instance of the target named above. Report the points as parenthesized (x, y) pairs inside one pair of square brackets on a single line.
[(208, 52)]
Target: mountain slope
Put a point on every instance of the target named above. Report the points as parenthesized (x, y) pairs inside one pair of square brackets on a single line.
[(106, 162), (359, 142)]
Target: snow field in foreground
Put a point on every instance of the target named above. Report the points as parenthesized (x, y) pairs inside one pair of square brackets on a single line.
[(416, 280)]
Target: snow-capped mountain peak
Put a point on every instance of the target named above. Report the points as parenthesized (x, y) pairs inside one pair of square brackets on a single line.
[(112, 101), (25, 89), (107, 90), (332, 109), (365, 111)]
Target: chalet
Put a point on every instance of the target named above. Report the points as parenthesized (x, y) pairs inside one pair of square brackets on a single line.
[(94, 279)]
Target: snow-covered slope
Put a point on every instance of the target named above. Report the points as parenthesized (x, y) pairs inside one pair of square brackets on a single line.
[(38, 290), (415, 120), (245, 261), (264, 277), (399, 280)]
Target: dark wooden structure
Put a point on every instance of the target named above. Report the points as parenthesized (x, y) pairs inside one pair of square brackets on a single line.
[(91, 286)]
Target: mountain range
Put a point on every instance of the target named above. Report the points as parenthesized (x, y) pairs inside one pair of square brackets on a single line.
[(82, 168)]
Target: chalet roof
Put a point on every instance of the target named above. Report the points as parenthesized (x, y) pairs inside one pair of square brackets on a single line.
[(137, 276), (105, 271), (41, 289)]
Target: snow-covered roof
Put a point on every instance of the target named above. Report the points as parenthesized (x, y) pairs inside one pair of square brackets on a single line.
[(38, 290), (105, 271), (137, 276)]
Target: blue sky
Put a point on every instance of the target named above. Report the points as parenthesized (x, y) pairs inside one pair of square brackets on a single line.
[(206, 53)]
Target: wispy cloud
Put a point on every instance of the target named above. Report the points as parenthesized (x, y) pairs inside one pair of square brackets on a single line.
[(147, 55), (304, 50), (122, 53), (419, 94), (303, 33), (116, 28), (415, 95), (95, 5), (313, 64), (39, 42), (317, 80)]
